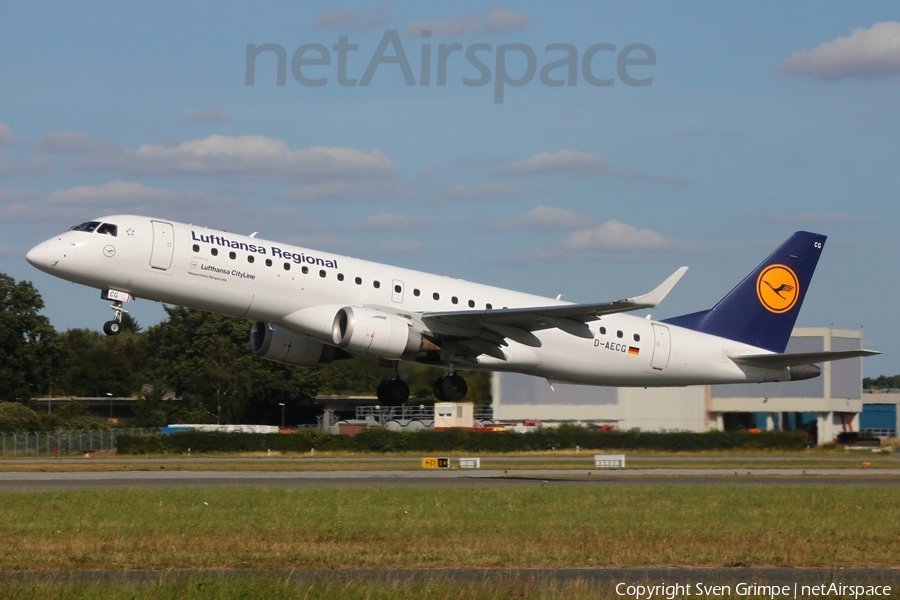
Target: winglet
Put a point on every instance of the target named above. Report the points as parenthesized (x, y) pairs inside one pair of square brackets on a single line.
[(662, 290)]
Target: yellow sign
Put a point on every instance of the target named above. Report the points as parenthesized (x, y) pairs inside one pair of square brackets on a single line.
[(778, 288), (435, 463)]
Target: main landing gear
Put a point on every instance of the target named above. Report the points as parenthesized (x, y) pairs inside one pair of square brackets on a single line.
[(450, 388), (394, 391), (115, 326)]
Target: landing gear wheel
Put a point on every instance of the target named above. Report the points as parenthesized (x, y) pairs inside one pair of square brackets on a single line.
[(450, 388), (112, 328), (381, 392), (397, 392), (438, 389)]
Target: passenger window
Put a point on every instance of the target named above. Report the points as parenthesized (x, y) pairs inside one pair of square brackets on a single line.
[(196, 248), (416, 292), (322, 273), (619, 334), (87, 227), (232, 255), (454, 300), (108, 229), (603, 331), (287, 266), (488, 306), (358, 280), (397, 289), (214, 251), (268, 262), (436, 296), (637, 337), (250, 258), (304, 270), (376, 284), (340, 276), (471, 304)]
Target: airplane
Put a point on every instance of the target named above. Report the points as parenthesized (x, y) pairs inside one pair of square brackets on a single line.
[(310, 308)]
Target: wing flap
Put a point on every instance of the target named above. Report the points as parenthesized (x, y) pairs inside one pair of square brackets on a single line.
[(567, 317)]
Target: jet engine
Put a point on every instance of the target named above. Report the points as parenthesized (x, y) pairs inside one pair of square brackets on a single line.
[(366, 331), (281, 345)]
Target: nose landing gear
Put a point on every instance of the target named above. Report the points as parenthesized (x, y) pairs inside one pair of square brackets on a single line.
[(114, 327)]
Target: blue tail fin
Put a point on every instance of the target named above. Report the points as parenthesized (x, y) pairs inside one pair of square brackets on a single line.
[(762, 309)]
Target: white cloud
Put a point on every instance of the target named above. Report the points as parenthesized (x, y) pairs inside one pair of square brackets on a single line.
[(398, 247), (9, 195), (563, 161), (385, 221), (426, 173), (208, 115), (576, 162), (355, 19), (345, 191), (613, 237), (116, 196), (482, 191), (497, 20), (811, 218), (867, 53), (251, 157), (75, 141), (7, 137), (550, 217), (119, 193)]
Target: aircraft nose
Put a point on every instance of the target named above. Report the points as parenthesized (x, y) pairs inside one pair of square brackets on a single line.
[(42, 256)]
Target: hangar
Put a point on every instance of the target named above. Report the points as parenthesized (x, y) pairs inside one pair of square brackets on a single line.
[(826, 405)]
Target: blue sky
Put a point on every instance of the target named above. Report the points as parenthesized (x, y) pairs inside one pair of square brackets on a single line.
[(759, 121)]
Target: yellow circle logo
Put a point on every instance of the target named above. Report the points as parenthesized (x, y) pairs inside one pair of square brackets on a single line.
[(778, 288)]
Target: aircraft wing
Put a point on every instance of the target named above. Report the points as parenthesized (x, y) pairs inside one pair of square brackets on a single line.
[(781, 361), (517, 323)]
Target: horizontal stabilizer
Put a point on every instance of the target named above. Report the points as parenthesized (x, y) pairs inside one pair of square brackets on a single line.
[(782, 361)]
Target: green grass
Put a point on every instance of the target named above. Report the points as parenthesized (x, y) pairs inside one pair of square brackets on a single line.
[(553, 525)]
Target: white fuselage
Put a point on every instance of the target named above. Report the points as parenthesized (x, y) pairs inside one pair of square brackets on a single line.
[(267, 281)]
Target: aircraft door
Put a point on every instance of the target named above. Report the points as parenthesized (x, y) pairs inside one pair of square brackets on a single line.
[(661, 347), (163, 245), (397, 291)]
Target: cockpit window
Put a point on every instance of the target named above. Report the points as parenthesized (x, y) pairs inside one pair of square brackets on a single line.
[(88, 226), (108, 229)]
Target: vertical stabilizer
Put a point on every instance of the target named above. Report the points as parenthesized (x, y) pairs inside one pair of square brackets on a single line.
[(762, 309)]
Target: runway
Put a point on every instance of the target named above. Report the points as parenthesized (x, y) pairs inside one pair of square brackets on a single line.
[(21, 481)]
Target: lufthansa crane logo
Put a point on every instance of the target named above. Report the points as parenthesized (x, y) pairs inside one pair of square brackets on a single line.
[(778, 288)]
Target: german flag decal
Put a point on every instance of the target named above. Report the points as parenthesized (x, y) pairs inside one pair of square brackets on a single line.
[(633, 350)]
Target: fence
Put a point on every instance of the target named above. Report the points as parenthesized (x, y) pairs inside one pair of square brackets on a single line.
[(383, 414), (59, 443), (879, 433)]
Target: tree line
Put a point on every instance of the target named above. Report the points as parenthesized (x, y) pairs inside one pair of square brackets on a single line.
[(192, 367)]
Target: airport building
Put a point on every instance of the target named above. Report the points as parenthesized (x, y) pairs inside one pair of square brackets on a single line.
[(826, 405)]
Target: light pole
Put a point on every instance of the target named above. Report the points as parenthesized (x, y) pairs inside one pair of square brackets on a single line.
[(110, 396), (281, 404)]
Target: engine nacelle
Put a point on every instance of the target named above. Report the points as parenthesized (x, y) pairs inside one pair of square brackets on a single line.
[(372, 332), (281, 345)]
